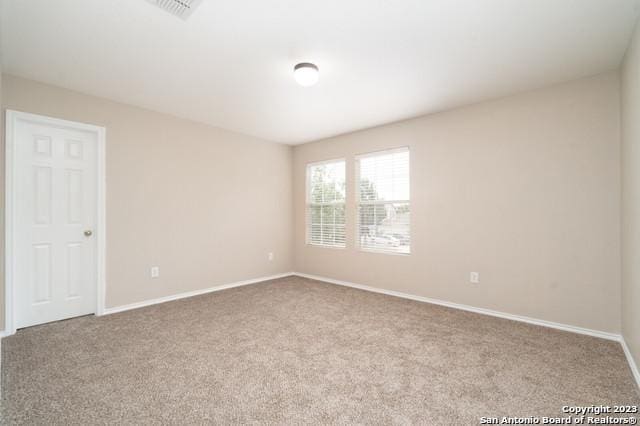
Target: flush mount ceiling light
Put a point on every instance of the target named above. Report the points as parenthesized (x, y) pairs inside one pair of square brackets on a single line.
[(306, 74)]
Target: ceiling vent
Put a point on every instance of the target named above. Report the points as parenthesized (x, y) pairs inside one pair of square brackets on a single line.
[(180, 8)]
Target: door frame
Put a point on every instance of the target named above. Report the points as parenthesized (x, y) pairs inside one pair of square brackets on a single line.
[(11, 118)]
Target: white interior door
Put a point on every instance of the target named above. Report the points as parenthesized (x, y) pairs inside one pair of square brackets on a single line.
[(55, 214)]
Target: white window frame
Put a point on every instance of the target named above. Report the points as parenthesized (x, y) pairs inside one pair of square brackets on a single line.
[(358, 203), (308, 203)]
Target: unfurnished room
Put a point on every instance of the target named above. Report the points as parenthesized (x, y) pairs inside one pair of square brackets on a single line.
[(295, 212)]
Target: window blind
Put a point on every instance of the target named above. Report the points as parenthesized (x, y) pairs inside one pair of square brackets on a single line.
[(326, 204), (384, 201)]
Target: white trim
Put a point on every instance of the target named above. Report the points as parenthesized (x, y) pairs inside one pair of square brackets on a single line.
[(145, 303), (8, 226), (330, 161), (403, 148), (102, 222), (383, 251), (631, 361), (543, 323), (101, 244)]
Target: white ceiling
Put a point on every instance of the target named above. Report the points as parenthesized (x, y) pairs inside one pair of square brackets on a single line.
[(231, 63)]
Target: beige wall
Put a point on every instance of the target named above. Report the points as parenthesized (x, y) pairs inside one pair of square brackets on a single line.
[(204, 204), (631, 197), (524, 190)]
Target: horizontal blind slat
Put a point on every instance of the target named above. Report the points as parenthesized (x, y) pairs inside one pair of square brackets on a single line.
[(326, 191), (384, 202)]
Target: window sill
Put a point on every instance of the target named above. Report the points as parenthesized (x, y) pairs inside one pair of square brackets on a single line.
[(326, 247), (393, 253)]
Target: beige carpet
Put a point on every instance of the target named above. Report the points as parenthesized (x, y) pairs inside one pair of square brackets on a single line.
[(296, 351)]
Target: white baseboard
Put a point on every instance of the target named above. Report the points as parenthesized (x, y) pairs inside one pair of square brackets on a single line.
[(632, 362), (520, 318), (543, 323), (144, 303)]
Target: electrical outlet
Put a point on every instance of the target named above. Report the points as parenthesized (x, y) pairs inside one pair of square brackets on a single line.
[(474, 278), (155, 272), (270, 256)]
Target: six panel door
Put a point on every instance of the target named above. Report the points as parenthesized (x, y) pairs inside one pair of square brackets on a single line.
[(55, 218)]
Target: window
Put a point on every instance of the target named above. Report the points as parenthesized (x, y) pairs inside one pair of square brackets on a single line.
[(325, 204), (383, 201)]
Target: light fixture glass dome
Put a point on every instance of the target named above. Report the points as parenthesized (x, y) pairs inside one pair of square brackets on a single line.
[(306, 74)]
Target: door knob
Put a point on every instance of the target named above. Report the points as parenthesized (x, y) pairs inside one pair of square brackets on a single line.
[(88, 233)]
